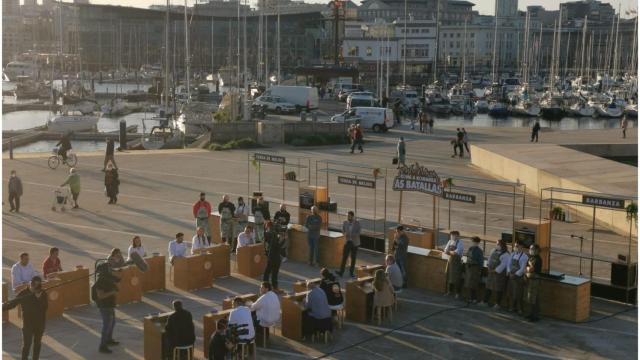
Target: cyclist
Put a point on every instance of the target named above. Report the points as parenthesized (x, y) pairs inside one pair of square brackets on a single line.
[(64, 146)]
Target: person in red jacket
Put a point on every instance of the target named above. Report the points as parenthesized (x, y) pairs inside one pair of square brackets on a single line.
[(52, 262), (202, 212)]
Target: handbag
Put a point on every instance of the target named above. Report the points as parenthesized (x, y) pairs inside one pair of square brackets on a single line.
[(394, 161)]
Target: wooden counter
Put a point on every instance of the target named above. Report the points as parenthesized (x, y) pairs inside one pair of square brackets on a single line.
[(154, 278), (426, 269), (222, 260), (292, 310), (130, 286), (329, 247), (193, 272), (76, 291), (153, 333), (359, 299), (566, 299), (55, 298), (301, 285), (251, 260), (209, 323), (418, 237), (227, 303), (368, 270)]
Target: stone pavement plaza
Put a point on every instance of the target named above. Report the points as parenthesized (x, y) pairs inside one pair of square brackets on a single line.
[(158, 189)]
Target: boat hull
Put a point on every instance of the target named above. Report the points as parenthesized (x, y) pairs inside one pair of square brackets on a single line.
[(555, 113), (76, 123)]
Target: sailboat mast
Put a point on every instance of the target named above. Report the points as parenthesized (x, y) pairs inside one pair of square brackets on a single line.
[(464, 51), (495, 44), (584, 38), (187, 53), (436, 54), (166, 57)]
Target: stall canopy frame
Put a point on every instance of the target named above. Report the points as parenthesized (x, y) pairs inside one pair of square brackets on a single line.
[(251, 158)]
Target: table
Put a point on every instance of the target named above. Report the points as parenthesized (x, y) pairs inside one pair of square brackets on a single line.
[(566, 299), (359, 299), (301, 285), (330, 246), (55, 301), (426, 269), (418, 237), (292, 311), (154, 277), (76, 290), (209, 323), (368, 270), (153, 333), (193, 272), (130, 285), (251, 260), (228, 302), (222, 259)]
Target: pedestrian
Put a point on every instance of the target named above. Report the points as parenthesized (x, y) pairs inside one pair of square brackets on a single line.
[(112, 183), (351, 232), (226, 209), (385, 101), (109, 154), (424, 120), (414, 109), (321, 93), (535, 130), (73, 180), (104, 292), (313, 223), (201, 212), (273, 247), (396, 111), (431, 124), (465, 141), (623, 124), (34, 303), (401, 152), (357, 138), (460, 141), (15, 191)]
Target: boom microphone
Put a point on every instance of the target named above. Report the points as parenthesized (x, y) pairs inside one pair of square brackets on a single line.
[(138, 261)]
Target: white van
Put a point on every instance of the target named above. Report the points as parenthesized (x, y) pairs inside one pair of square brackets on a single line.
[(370, 118), (303, 97), (360, 98)]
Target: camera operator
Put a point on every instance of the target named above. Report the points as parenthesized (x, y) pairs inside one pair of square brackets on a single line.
[(240, 317), (281, 220), (219, 344)]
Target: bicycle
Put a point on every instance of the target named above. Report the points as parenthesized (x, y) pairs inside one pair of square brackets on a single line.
[(56, 159)]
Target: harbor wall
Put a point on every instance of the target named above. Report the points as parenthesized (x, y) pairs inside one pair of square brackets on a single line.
[(272, 132)]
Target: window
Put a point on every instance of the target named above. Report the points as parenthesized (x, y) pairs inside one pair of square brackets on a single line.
[(369, 51), (458, 44), (451, 44), (444, 35), (353, 51), (425, 30)]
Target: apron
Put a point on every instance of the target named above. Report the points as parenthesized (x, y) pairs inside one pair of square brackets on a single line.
[(472, 272), (516, 281), (226, 224), (202, 220), (495, 281), (241, 223), (259, 223), (454, 268), (533, 283)]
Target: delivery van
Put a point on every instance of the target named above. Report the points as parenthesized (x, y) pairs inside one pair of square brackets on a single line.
[(303, 97), (370, 118)]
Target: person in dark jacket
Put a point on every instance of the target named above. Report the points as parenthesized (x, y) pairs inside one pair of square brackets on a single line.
[(327, 284), (109, 155), (15, 191), (34, 303), (273, 248), (179, 330), (219, 345), (112, 183), (535, 130), (64, 146), (104, 292), (281, 221), (400, 248)]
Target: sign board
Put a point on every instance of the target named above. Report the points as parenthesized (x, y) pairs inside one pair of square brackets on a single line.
[(269, 158), (455, 196), (603, 202), (356, 182), (417, 178)]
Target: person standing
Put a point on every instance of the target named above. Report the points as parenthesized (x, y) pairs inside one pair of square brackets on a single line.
[(226, 209), (465, 141), (242, 219), (104, 292), (423, 121), (15, 192), (459, 142), (281, 223), (179, 329), (273, 248), (431, 121), (454, 248), (473, 270), (51, 264), (351, 231), (497, 269), (624, 123), (73, 180), (401, 152), (202, 212), (136, 246), (357, 138), (199, 241), (34, 303), (400, 249), (22, 272), (112, 183), (313, 223), (535, 130), (109, 154), (260, 215), (396, 111), (532, 277), (516, 277)]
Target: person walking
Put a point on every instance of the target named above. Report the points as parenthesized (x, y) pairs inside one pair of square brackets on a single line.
[(273, 248), (15, 192), (34, 303), (109, 155), (313, 223), (401, 152), (465, 141), (73, 180), (112, 183), (535, 130), (431, 124), (459, 141), (357, 139), (351, 231), (624, 123)]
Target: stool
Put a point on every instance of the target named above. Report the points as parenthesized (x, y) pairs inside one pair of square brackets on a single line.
[(265, 332), (178, 350), (395, 296), (244, 345), (378, 311), (326, 334), (339, 309)]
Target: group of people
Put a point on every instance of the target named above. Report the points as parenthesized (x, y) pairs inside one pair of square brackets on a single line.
[(460, 143)]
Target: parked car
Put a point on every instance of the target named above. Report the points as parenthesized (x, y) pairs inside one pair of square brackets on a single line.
[(370, 118), (302, 97), (275, 104)]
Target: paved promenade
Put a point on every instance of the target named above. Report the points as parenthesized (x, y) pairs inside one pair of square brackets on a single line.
[(158, 189)]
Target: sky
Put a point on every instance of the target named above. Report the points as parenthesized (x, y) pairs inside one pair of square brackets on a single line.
[(483, 6)]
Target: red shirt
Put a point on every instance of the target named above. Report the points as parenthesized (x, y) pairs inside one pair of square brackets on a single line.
[(50, 266), (200, 204)]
